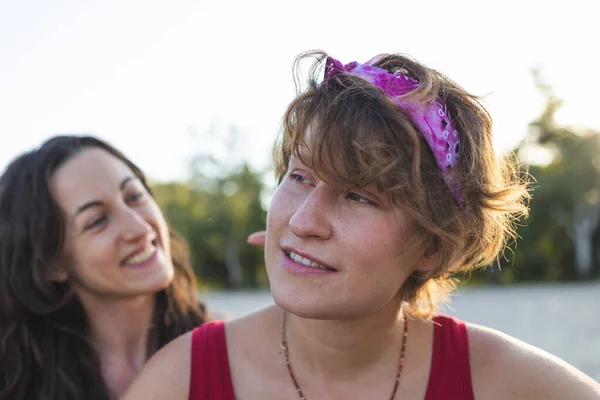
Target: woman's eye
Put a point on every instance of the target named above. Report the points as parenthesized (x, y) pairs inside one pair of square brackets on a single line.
[(297, 177), (360, 199), (135, 197), (98, 221)]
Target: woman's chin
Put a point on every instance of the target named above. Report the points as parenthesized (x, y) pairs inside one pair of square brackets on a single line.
[(160, 278), (164, 277)]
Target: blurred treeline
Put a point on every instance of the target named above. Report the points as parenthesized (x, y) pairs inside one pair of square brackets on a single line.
[(560, 241), (216, 214)]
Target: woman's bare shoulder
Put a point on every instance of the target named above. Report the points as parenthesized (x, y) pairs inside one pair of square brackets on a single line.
[(255, 322), (505, 367), (166, 375)]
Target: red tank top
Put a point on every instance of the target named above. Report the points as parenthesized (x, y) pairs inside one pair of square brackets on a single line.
[(449, 377)]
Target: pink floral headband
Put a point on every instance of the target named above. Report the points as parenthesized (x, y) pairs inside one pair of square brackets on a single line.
[(431, 119)]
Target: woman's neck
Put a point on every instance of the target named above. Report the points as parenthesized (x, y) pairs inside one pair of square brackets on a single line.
[(341, 350), (120, 325), (119, 330)]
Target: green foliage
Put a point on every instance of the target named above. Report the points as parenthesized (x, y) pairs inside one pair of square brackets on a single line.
[(216, 218), (566, 190)]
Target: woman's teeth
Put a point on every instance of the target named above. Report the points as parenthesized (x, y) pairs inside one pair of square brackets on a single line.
[(305, 261), (141, 257)]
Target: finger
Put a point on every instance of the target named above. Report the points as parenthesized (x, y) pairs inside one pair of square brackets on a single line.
[(257, 238)]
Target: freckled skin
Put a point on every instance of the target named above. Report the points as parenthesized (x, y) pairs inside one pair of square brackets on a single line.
[(355, 231)]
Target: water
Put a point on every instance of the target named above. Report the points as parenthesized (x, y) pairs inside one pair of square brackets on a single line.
[(563, 319)]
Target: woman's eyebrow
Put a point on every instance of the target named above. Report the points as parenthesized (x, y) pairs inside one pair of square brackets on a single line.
[(97, 203)]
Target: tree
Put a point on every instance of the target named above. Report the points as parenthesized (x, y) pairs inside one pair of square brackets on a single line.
[(215, 210), (565, 209)]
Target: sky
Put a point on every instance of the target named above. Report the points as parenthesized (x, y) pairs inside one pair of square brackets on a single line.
[(163, 81)]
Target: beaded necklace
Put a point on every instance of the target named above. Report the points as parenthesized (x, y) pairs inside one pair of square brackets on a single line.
[(285, 347)]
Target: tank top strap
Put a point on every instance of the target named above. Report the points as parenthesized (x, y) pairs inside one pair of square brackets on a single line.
[(450, 375), (210, 377)]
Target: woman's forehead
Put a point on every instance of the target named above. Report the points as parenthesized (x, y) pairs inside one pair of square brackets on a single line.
[(88, 175)]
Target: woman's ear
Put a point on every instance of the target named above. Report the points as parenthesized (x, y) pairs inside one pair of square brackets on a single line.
[(429, 259), (58, 273), (426, 265)]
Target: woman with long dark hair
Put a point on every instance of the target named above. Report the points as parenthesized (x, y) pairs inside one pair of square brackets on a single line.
[(92, 279)]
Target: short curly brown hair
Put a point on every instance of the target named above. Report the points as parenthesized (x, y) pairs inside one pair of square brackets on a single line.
[(359, 136)]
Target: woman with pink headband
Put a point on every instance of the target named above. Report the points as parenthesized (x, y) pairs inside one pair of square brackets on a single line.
[(388, 185)]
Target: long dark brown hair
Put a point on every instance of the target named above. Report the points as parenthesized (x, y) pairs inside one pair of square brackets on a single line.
[(45, 352), (347, 130)]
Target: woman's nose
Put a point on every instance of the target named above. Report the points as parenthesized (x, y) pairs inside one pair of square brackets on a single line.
[(311, 219)]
